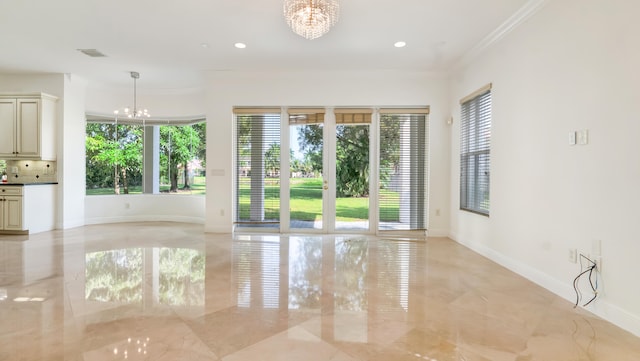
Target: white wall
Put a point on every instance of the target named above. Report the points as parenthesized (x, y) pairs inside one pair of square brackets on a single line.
[(160, 103), (31, 83), (571, 66), (228, 89), (71, 153), (144, 207)]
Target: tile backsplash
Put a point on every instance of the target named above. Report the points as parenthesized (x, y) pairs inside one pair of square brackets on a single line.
[(32, 171)]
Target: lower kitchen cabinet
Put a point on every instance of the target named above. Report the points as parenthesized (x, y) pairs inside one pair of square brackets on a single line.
[(27, 209), (11, 216)]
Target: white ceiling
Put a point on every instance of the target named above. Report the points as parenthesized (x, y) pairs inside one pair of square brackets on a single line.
[(162, 38)]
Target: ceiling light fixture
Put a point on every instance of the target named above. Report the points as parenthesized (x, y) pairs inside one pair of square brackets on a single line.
[(311, 18), (400, 44), (240, 45), (133, 113)]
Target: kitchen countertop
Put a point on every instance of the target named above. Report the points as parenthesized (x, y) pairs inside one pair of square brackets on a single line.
[(27, 184)]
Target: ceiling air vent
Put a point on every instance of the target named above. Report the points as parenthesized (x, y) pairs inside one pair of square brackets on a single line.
[(94, 53)]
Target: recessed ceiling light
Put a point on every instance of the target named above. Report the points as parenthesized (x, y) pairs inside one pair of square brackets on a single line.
[(240, 45), (400, 44), (204, 45)]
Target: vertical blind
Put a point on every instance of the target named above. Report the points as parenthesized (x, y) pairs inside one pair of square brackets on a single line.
[(403, 164), (475, 144), (257, 166)]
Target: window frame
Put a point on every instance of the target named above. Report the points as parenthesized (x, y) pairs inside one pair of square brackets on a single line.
[(146, 125)]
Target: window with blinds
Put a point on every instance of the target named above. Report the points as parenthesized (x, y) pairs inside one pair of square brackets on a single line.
[(402, 198), (257, 167), (475, 156)]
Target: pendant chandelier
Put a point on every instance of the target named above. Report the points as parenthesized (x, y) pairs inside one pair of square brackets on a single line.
[(133, 113), (311, 18)]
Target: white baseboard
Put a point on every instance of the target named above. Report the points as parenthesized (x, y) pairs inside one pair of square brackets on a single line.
[(600, 308), (68, 225)]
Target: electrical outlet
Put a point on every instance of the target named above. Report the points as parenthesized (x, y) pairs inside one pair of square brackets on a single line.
[(573, 255)]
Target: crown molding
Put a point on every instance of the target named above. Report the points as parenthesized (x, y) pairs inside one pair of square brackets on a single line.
[(525, 12)]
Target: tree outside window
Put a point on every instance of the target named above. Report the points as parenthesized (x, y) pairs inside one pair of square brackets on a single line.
[(114, 158)]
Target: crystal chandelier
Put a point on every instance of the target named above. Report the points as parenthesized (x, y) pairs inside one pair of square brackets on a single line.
[(133, 113), (311, 18)]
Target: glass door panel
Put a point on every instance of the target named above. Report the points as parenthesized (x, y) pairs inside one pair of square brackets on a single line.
[(352, 175), (403, 155), (257, 168), (307, 183)]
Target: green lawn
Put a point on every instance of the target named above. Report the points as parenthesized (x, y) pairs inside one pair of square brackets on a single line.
[(306, 202)]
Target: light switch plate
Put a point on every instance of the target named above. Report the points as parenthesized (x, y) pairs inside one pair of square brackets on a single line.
[(572, 138)]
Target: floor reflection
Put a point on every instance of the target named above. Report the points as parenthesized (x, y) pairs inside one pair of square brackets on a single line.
[(156, 291), (343, 281), (176, 276)]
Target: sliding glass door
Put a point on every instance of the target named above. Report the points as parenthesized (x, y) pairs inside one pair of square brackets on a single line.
[(341, 170)]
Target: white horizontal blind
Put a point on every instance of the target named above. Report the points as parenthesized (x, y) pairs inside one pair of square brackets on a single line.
[(475, 157), (257, 167), (403, 161)]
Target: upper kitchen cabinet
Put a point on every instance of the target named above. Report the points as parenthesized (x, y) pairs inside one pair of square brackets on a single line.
[(28, 126)]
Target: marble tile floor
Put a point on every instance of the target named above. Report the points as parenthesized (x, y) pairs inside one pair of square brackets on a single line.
[(167, 291)]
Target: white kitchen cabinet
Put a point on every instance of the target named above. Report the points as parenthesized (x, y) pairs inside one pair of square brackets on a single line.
[(28, 124), (11, 209), (27, 209)]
